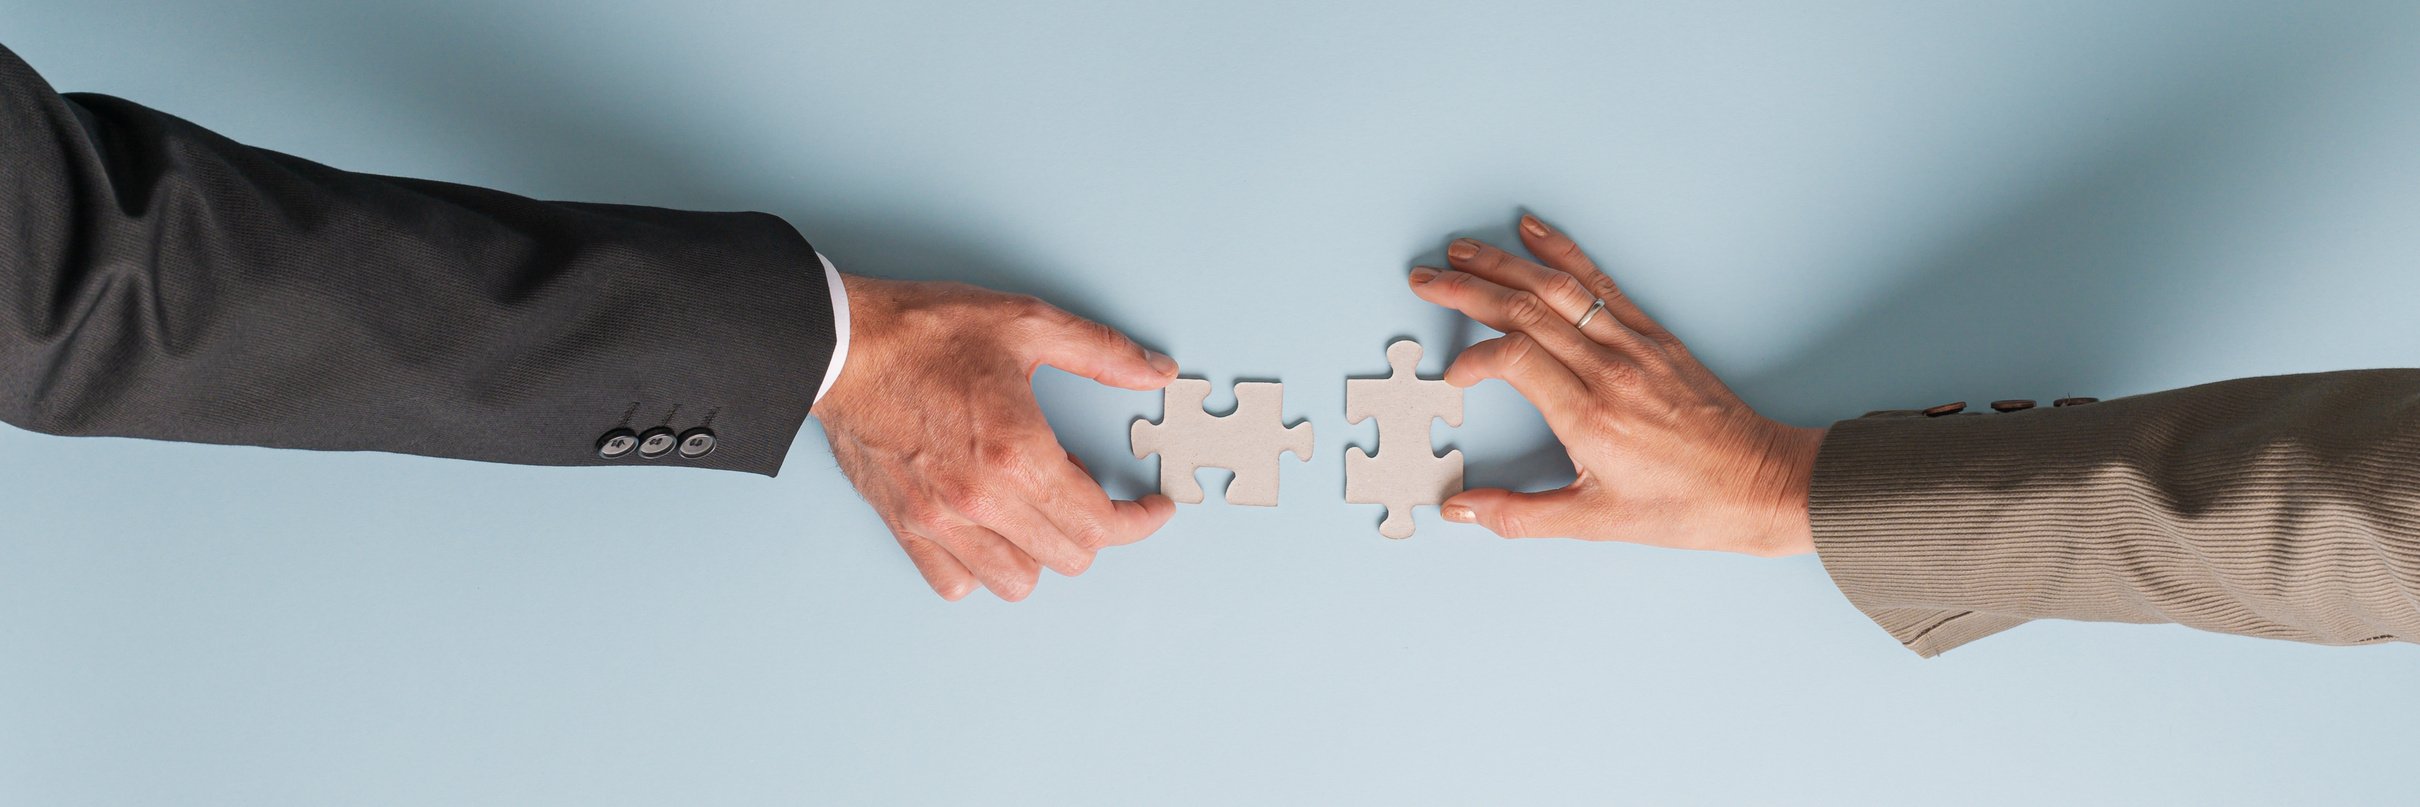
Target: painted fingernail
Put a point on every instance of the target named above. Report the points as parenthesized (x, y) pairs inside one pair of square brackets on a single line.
[(1536, 228), (1462, 250), (1160, 362), (1422, 275), (1456, 512)]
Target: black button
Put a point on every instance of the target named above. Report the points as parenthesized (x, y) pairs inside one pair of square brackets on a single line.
[(617, 443), (2017, 405), (656, 443), (2073, 401), (1893, 413), (697, 443)]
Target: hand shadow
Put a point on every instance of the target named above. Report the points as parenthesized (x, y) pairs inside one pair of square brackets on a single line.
[(2042, 298), (2031, 303)]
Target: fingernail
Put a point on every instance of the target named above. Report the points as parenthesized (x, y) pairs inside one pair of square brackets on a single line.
[(1536, 228), (1422, 275), (1456, 512), (1160, 362), (1462, 250)]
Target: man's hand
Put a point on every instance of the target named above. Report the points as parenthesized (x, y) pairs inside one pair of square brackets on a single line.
[(934, 419), (1667, 455)]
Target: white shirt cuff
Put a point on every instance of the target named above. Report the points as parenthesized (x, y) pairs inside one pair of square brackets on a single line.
[(840, 326)]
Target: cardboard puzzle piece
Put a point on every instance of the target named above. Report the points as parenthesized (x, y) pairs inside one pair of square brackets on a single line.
[(1407, 470), (1247, 442)]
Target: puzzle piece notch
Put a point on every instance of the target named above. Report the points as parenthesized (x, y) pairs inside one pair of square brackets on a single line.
[(1246, 442), (1407, 471)]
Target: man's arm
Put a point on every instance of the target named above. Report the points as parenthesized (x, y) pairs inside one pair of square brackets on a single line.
[(2281, 507), (157, 280), (161, 281)]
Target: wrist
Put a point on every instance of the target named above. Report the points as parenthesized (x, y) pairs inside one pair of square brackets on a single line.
[(1789, 471), (869, 304)]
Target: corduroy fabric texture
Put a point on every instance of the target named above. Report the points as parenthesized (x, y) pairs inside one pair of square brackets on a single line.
[(2285, 507), (161, 281)]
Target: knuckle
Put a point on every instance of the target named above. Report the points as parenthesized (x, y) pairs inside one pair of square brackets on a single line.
[(1567, 287), (1608, 430), (1027, 305), (1046, 494), (1524, 310), (1092, 535), (993, 573), (1602, 286), (1097, 332), (1621, 374), (922, 514), (1451, 282), (1650, 360), (1031, 312), (1518, 350), (1077, 562), (971, 501), (1508, 524), (999, 456), (1018, 584)]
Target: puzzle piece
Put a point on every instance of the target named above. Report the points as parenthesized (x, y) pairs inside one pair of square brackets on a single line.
[(1246, 442), (1407, 471)]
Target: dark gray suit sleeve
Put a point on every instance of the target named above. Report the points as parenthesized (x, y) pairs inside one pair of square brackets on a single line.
[(161, 281)]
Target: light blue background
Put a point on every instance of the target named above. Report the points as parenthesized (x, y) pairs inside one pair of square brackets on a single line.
[(1843, 206)]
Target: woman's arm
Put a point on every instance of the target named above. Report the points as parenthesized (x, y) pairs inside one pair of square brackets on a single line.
[(2285, 507)]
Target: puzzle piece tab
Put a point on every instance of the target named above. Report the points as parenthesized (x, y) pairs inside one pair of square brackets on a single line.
[(1246, 442), (1407, 470)]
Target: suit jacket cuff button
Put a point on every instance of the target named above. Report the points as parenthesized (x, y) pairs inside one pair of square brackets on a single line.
[(616, 444)]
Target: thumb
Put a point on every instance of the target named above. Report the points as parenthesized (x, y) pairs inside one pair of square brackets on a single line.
[(1099, 352), (1545, 514)]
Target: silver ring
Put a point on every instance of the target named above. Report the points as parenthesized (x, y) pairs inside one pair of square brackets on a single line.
[(1592, 314)]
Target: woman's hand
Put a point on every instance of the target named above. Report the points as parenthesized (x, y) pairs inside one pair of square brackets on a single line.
[(1667, 455), (934, 419)]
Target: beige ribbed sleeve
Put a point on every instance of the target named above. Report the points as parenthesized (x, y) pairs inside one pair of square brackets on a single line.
[(2284, 506)]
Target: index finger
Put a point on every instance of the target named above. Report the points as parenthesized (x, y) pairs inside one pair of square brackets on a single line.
[(1511, 310)]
